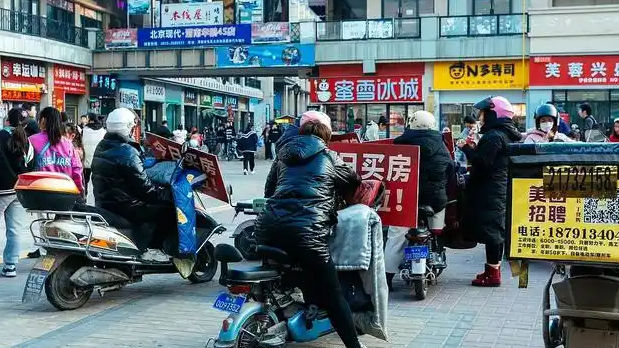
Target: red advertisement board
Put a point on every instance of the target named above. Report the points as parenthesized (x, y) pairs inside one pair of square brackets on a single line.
[(71, 79), (345, 138), (398, 167), (121, 38), (23, 71), (169, 150), (366, 90), (574, 71)]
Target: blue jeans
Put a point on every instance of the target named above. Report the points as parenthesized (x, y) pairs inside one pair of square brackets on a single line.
[(15, 220)]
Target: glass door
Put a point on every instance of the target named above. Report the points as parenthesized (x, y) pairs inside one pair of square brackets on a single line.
[(397, 120)]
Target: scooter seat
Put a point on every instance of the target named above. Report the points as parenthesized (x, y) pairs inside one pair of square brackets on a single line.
[(426, 211), (274, 254), (251, 272)]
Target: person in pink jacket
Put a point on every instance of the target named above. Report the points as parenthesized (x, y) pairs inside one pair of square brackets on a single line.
[(54, 152)]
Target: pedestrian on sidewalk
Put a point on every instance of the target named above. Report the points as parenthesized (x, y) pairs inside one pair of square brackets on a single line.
[(92, 134), (248, 145), (274, 134), (16, 157), (221, 140), (486, 190), (268, 152)]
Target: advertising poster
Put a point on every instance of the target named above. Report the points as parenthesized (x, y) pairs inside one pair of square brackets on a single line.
[(139, 7), (266, 55), (272, 32), (121, 38), (367, 89), (574, 229), (192, 14), (485, 75), (229, 11), (194, 36), (398, 167), (249, 11), (169, 150)]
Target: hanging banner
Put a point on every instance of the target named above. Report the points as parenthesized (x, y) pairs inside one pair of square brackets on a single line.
[(192, 14), (266, 56), (354, 30), (139, 7), (398, 167), (194, 36), (58, 99), (484, 75), (366, 90), (273, 32), (121, 38), (574, 71)]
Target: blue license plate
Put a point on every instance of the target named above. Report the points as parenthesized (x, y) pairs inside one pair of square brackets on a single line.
[(229, 303), (416, 252)]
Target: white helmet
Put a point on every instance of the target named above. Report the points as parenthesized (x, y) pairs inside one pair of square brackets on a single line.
[(121, 121), (422, 120)]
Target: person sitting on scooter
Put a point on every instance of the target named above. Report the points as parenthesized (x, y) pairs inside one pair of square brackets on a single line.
[(122, 187), (301, 211), (435, 166), (546, 127)]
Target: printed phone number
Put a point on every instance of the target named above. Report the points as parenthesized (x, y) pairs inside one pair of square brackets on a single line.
[(569, 233)]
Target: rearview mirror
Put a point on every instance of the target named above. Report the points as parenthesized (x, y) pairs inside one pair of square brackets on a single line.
[(230, 191)]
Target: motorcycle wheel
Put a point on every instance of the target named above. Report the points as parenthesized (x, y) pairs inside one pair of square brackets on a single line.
[(59, 290), (249, 335), (421, 289), (246, 243), (205, 267)]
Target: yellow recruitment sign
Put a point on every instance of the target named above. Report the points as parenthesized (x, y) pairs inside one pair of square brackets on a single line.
[(483, 74), (550, 228)]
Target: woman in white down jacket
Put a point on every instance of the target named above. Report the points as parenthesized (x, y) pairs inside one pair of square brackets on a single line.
[(91, 136)]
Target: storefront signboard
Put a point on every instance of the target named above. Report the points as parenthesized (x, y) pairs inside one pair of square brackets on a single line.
[(398, 167), (366, 90), (206, 100), (23, 71), (11, 95), (58, 99), (481, 75), (194, 36), (154, 93), (191, 97), (218, 102), (71, 79), (272, 32), (266, 56), (129, 98), (192, 14), (121, 38), (574, 71), (103, 85), (233, 102)]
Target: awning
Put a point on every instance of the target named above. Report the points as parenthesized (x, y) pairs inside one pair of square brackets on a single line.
[(214, 113)]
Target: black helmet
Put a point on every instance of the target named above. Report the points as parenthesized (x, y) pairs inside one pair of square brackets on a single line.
[(546, 110)]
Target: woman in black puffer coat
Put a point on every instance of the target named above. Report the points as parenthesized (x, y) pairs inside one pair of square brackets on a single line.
[(301, 211), (486, 190)]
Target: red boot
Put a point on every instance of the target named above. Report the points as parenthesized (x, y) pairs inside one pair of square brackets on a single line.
[(490, 278)]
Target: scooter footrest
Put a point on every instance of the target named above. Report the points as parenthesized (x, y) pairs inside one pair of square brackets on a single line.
[(274, 342)]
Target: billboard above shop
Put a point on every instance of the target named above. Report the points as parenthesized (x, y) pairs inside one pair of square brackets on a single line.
[(266, 56), (206, 35), (192, 14), (574, 71), (484, 75), (382, 89)]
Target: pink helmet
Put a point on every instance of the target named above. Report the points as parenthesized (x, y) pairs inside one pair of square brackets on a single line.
[(500, 105), (316, 116)]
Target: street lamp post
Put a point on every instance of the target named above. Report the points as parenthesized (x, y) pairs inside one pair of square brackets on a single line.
[(297, 90)]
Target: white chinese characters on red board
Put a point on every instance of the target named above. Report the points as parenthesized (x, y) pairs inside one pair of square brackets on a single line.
[(596, 72), (367, 90), (28, 70), (581, 70), (383, 168)]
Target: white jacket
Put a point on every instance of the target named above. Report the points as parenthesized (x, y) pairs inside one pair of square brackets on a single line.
[(92, 134), (180, 136), (371, 131)]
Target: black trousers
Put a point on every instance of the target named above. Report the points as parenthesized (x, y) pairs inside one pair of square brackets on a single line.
[(87, 174), (248, 159), (268, 154), (494, 253)]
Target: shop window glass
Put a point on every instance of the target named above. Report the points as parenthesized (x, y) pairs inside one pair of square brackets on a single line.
[(614, 94), (520, 116), (349, 9), (375, 111), (391, 8), (338, 117), (452, 116), (276, 10), (491, 7), (426, 7), (559, 96), (358, 112), (614, 111), (587, 95), (397, 120)]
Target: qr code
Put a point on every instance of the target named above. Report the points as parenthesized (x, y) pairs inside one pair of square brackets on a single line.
[(601, 211)]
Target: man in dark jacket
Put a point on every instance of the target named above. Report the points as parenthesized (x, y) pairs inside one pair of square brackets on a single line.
[(121, 186), (32, 126), (301, 211), (164, 131), (486, 189)]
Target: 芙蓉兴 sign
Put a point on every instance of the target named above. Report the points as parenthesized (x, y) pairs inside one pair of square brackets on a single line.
[(481, 75), (556, 227)]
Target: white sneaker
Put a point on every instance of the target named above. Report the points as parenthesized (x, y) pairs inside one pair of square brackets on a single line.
[(155, 255), (253, 172), (244, 171)]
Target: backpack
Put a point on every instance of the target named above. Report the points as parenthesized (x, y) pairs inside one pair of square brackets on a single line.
[(596, 133)]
